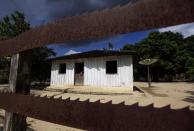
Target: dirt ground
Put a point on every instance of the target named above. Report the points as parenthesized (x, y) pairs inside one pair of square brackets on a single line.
[(179, 91), (177, 94)]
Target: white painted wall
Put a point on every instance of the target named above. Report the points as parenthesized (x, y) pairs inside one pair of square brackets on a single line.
[(62, 79), (95, 72)]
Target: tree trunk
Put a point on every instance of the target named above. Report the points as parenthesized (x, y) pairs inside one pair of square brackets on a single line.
[(19, 82)]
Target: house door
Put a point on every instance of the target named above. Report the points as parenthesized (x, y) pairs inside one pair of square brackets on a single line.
[(79, 74)]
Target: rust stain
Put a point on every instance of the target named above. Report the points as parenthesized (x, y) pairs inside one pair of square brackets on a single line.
[(96, 116), (137, 16)]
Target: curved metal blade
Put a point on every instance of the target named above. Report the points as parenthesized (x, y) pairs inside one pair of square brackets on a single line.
[(141, 15)]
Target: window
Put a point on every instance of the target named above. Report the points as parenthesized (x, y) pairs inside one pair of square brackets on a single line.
[(62, 68), (111, 67)]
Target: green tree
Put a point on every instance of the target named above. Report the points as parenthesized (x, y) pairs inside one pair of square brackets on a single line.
[(189, 46), (129, 47), (4, 69), (163, 46), (190, 68), (41, 67), (174, 52), (13, 25), (10, 26)]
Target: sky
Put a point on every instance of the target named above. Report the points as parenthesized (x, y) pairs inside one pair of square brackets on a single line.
[(39, 12), (119, 41)]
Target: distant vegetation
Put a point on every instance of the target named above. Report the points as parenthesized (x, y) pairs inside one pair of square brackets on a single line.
[(11, 26), (175, 54)]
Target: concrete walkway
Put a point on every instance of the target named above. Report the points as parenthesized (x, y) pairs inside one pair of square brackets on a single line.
[(92, 90)]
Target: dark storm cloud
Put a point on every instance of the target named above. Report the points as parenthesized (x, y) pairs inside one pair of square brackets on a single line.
[(41, 11), (77, 7), (72, 7)]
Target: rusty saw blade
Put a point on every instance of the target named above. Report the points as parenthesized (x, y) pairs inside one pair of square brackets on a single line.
[(98, 116), (136, 16)]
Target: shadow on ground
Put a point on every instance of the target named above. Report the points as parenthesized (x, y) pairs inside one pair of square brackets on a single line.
[(39, 86), (189, 98), (151, 91), (30, 129)]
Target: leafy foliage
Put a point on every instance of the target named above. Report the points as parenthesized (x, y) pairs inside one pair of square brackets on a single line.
[(190, 52), (11, 26), (174, 52), (4, 69), (41, 67)]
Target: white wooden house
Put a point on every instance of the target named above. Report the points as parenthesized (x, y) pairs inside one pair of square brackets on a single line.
[(98, 68)]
